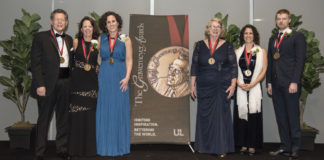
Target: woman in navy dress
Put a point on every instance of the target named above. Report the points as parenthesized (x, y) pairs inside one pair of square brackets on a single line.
[(252, 67), (113, 111), (213, 81), (84, 88)]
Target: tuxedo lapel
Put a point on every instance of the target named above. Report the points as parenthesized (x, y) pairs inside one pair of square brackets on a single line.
[(67, 43), (273, 48), (53, 41), (286, 40)]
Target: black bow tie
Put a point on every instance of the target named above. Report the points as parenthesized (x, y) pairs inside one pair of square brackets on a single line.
[(60, 35)]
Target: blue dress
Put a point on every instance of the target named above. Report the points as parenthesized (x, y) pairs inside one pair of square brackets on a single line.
[(113, 111), (214, 128)]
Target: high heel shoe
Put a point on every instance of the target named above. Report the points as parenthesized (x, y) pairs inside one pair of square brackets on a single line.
[(243, 150), (222, 155), (251, 151)]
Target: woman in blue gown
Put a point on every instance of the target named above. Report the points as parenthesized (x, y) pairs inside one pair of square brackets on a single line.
[(213, 81), (113, 110)]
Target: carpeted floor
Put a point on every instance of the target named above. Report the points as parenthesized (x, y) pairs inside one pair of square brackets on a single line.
[(162, 152)]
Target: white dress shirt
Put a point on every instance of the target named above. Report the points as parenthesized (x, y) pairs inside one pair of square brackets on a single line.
[(65, 54)]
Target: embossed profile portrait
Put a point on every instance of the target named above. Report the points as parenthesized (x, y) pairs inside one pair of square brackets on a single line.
[(168, 72)]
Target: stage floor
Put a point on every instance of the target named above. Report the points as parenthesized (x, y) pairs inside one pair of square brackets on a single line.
[(161, 152)]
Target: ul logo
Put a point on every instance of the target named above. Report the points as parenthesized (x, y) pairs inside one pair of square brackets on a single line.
[(178, 132)]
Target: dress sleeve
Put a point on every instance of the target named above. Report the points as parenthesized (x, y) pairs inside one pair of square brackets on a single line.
[(194, 63), (232, 61)]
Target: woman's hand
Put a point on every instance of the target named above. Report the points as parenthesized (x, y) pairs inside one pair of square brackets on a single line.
[(230, 90), (124, 84), (193, 92), (246, 87)]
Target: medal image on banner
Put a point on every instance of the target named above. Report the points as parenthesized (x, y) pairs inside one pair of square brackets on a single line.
[(87, 67), (211, 61), (248, 72), (168, 72)]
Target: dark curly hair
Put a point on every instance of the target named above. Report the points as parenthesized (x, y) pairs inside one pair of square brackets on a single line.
[(103, 21), (256, 36), (95, 33)]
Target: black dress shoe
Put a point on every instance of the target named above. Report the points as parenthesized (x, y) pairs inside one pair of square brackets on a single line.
[(279, 152), (39, 158), (64, 156), (294, 155)]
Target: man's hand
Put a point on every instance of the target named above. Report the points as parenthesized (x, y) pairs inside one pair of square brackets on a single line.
[(293, 88), (41, 91), (269, 88)]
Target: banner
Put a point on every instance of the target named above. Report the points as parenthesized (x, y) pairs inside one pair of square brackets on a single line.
[(159, 84)]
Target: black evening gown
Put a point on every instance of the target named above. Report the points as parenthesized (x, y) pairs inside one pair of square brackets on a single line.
[(248, 133), (82, 138), (214, 128)]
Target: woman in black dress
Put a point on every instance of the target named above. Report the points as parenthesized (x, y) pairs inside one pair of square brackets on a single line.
[(213, 74), (252, 66), (83, 100)]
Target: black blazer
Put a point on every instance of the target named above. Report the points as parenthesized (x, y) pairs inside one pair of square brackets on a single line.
[(45, 61), (289, 67)]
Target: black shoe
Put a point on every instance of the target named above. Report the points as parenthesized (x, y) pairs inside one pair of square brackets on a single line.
[(279, 152), (64, 156), (294, 155), (39, 158)]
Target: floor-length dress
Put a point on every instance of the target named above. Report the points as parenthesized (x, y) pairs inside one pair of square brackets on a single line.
[(113, 111), (248, 133), (214, 129), (83, 102)]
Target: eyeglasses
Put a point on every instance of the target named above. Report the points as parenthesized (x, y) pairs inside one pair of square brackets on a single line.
[(59, 19), (215, 27)]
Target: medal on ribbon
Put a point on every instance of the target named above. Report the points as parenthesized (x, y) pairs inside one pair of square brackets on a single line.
[(171, 62), (211, 60), (62, 60), (276, 56), (111, 47), (248, 57), (87, 66)]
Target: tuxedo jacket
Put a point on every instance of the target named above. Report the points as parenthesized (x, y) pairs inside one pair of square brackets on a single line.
[(45, 61), (290, 66)]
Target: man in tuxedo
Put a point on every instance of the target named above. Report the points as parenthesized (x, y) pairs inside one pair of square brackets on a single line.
[(51, 67), (286, 56)]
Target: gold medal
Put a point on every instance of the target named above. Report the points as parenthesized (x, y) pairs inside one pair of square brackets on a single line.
[(248, 73), (87, 67), (111, 60), (211, 61), (62, 60), (276, 56)]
